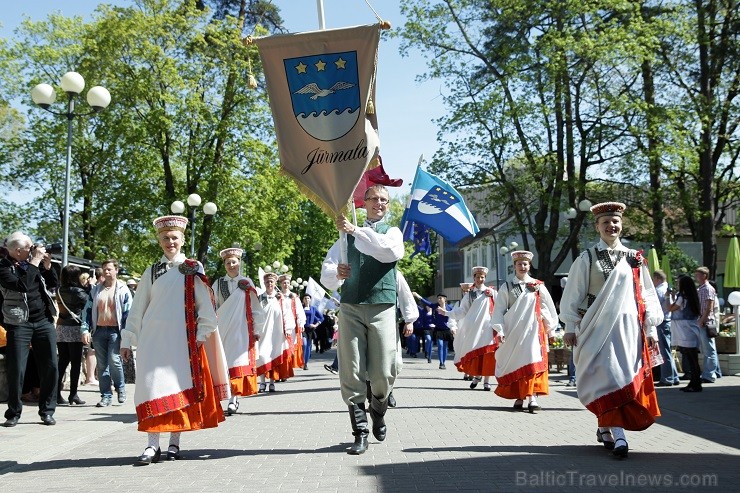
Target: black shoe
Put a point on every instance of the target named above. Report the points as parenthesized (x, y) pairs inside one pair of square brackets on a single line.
[(429, 360), (475, 383), (706, 380), (305, 367), (685, 377), (391, 400), (146, 459), (330, 369), (61, 400), (621, 450), (48, 420), (518, 405), (532, 407), (74, 400), (690, 388), (173, 455), (230, 410), (601, 438), (11, 422)]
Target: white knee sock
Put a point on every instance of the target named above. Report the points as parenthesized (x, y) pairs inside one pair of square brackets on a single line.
[(175, 439), (152, 441), (618, 433)]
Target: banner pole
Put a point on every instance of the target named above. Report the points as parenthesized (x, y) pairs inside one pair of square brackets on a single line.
[(320, 11)]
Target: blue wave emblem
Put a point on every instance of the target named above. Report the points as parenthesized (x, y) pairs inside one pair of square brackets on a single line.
[(325, 93)]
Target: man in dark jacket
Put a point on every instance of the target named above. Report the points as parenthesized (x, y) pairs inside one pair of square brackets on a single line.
[(28, 311)]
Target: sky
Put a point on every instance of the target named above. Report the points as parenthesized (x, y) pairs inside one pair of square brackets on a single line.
[(405, 108)]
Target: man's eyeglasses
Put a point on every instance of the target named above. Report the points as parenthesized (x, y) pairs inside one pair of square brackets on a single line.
[(380, 200)]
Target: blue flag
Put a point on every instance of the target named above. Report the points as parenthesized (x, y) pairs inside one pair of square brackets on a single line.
[(419, 234), (436, 204)]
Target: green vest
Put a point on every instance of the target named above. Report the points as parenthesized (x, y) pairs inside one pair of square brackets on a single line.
[(371, 282)]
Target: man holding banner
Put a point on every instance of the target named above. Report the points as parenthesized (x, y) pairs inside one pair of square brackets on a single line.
[(368, 319)]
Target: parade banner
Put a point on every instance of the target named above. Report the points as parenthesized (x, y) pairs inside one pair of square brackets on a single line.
[(320, 84)]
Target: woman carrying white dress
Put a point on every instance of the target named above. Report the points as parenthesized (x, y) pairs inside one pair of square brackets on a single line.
[(525, 318), (611, 310)]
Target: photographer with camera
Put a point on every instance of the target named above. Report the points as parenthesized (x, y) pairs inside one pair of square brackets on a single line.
[(28, 311)]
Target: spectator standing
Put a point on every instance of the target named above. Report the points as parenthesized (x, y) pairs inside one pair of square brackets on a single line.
[(668, 373), (685, 330), (106, 313), (28, 313), (72, 299), (707, 299)]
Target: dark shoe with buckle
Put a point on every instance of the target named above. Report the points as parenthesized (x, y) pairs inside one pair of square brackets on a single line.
[(173, 454), (621, 449), (271, 388), (48, 420), (11, 422), (475, 383), (146, 459), (605, 437), (262, 388), (230, 411), (358, 418), (74, 400)]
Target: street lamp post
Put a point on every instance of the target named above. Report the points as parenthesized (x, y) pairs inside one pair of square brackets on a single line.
[(503, 251), (98, 98), (194, 200), (585, 207), (570, 215)]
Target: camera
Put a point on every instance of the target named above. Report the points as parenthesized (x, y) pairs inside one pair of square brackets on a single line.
[(51, 248)]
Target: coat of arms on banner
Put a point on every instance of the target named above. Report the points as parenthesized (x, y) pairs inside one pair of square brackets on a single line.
[(325, 93)]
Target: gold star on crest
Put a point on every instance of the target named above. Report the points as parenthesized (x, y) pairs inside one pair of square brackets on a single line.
[(301, 68), (320, 65), (340, 63)]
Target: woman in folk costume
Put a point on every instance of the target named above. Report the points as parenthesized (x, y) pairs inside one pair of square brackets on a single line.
[(181, 374), (238, 311), (524, 318), (274, 351), (475, 342), (610, 310), (293, 321)]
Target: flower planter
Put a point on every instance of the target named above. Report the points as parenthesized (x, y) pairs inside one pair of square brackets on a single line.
[(559, 357), (725, 345)]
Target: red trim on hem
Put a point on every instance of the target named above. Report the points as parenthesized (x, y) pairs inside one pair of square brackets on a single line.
[(619, 397), (166, 404), (241, 371), (475, 354), (274, 364)]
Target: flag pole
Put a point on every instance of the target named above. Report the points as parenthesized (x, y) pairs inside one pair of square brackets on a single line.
[(320, 11)]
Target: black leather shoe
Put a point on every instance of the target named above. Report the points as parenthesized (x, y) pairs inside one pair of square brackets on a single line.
[(11, 422), (48, 420), (76, 401), (518, 404), (532, 407), (601, 437), (146, 459), (690, 388), (61, 400), (391, 400), (173, 455), (621, 449)]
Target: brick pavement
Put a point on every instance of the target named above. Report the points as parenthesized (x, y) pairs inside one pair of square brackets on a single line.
[(442, 437)]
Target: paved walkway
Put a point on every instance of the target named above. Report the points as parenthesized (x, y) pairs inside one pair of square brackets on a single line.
[(442, 437)]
